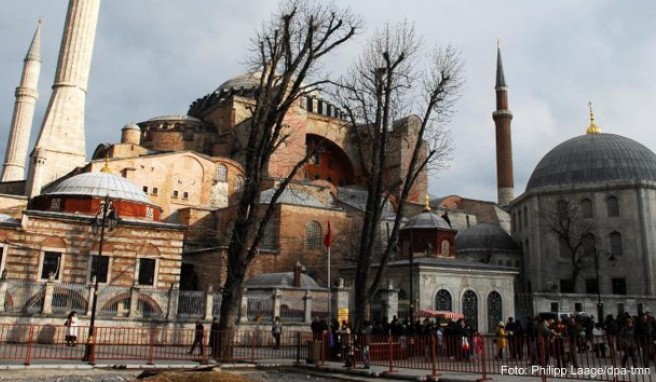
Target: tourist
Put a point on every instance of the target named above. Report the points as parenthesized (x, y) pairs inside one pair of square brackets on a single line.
[(72, 324)]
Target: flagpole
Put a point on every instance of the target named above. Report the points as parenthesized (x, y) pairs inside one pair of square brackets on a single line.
[(330, 292), (328, 242)]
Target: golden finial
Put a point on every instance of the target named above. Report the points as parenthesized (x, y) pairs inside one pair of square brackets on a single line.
[(40, 20), (498, 43), (106, 168), (592, 129), (427, 204)]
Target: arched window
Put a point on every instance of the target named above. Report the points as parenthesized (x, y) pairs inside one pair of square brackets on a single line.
[(525, 217), (270, 238), (470, 308), (562, 209), (221, 173), (494, 310), (589, 242), (586, 208), (613, 207), (615, 244), (313, 235), (446, 248), (239, 183), (443, 300)]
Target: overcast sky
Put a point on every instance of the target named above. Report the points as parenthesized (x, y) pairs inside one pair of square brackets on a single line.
[(155, 57)]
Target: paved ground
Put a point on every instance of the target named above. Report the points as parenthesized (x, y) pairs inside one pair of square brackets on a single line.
[(269, 372)]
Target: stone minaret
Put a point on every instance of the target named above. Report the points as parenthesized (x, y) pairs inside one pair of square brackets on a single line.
[(502, 117), (21, 123), (60, 147)]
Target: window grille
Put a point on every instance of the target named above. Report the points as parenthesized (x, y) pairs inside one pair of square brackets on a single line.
[(313, 235)]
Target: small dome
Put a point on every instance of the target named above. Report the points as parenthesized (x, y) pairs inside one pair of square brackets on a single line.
[(100, 184), (283, 279), (131, 126), (426, 220), (484, 237), (172, 117), (246, 81), (594, 158)]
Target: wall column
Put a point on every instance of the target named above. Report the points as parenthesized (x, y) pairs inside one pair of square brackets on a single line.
[(47, 296), (308, 307)]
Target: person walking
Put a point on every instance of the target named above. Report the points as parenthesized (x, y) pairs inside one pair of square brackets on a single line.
[(276, 331), (627, 343), (598, 338), (347, 345), (199, 333), (500, 339), (214, 338), (364, 341), (72, 323), (545, 337)]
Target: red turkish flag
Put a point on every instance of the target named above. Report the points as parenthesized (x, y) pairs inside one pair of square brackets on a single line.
[(328, 240)]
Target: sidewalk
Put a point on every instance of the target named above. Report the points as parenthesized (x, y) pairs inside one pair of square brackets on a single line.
[(333, 370)]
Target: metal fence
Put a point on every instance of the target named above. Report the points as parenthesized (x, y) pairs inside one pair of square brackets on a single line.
[(191, 304), (216, 305), (153, 303), (69, 297), (34, 343), (260, 303), (599, 358), (292, 306), (24, 297), (320, 305), (113, 301)]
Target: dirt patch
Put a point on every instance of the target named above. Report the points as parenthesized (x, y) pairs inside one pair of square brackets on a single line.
[(196, 376)]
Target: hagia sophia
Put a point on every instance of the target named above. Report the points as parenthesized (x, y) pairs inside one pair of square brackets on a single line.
[(173, 181)]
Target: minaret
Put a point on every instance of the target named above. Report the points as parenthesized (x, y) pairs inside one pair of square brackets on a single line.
[(502, 117), (21, 123), (60, 147)]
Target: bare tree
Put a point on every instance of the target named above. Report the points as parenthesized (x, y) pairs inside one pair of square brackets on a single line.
[(386, 83), (575, 239), (287, 51)]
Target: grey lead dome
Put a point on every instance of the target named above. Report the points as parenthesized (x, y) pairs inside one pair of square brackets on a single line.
[(426, 220), (594, 158), (100, 184), (484, 237)]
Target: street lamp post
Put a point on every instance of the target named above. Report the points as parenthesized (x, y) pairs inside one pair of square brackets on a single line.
[(600, 304), (106, 218)]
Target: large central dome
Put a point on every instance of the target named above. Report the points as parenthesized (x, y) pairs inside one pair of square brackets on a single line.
[(594, 158)]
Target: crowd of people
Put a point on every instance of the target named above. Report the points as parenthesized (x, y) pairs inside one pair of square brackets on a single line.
[(538, 341)]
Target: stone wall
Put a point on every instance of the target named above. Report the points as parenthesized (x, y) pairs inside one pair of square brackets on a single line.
[(72, 236)]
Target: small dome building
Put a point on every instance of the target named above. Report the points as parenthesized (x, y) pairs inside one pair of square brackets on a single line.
[(427, 233), (602, 186), (62, 229)]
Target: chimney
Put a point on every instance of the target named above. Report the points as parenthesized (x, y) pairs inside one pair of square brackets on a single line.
[(298, 270)]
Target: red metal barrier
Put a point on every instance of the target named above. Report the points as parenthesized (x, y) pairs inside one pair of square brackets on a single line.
[(151, 348), (29, 347), (391, 353), (31, 343)]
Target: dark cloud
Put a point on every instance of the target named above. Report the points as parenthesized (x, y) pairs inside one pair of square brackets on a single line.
[(153, 57)]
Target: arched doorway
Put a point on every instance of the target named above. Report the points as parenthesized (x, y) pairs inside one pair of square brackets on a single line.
[(443, 300), (470, 308), (494, 310)]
